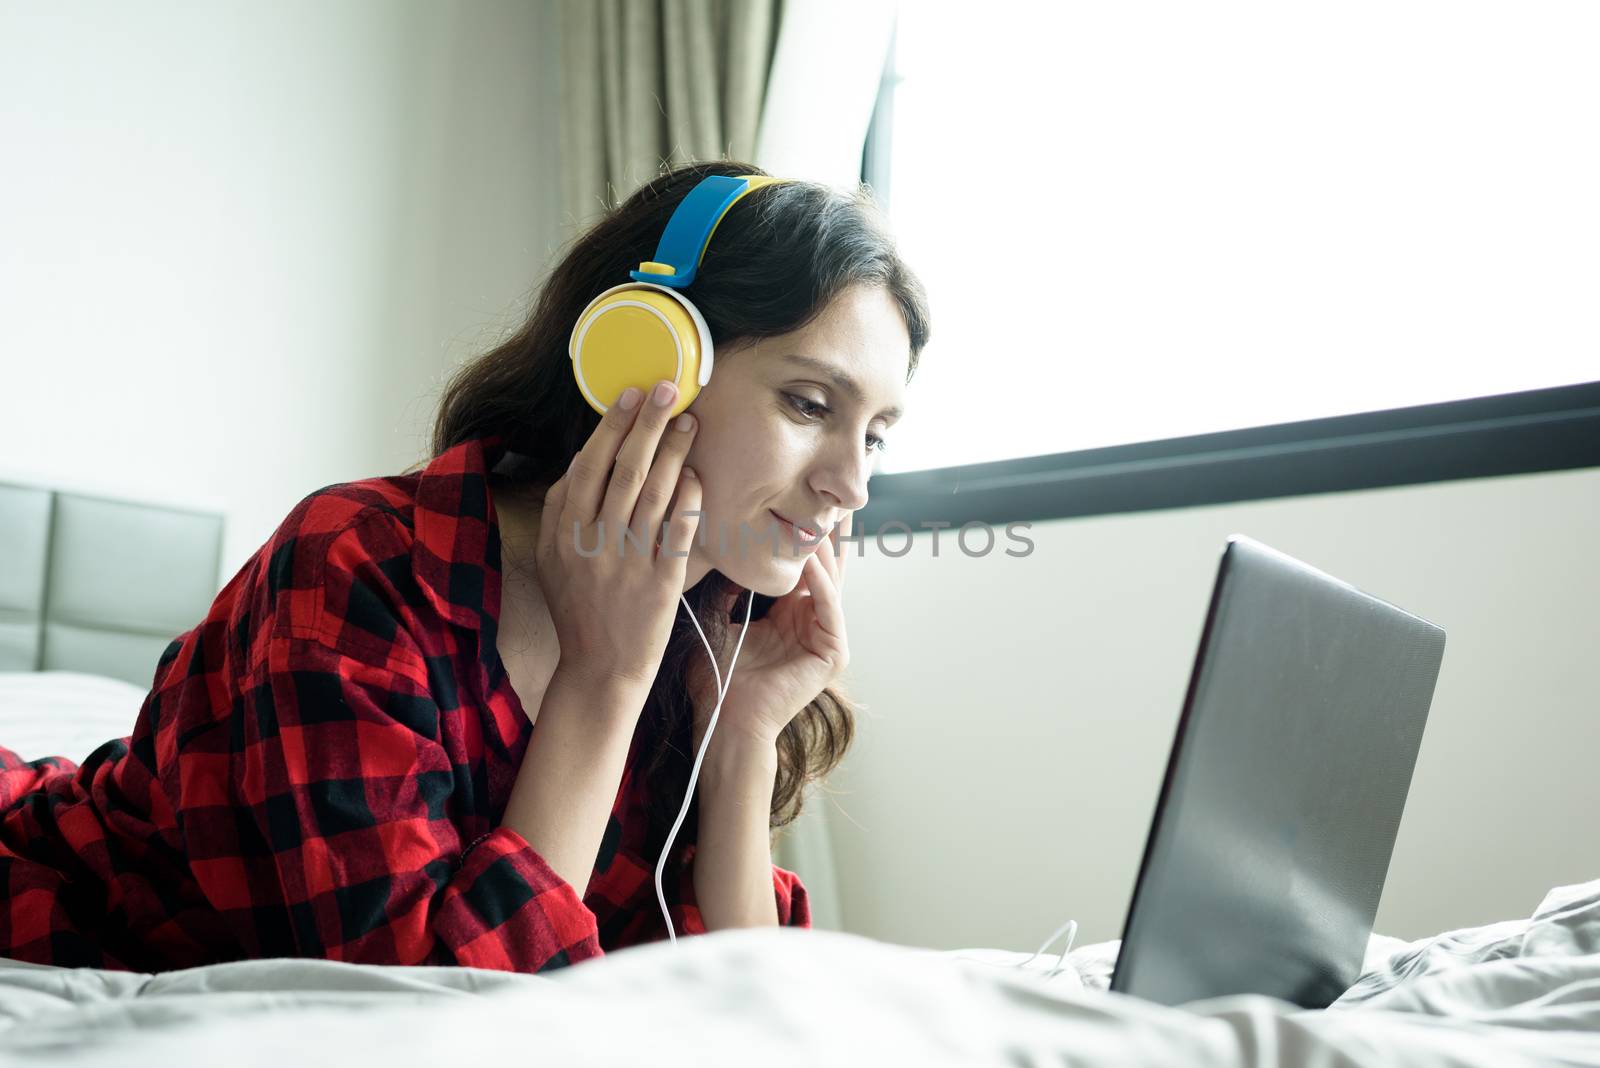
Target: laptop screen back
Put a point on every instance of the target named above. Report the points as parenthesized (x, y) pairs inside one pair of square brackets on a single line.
[(1283, 793)]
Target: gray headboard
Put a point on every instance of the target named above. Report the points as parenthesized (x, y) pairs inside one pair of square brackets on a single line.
[(100, 585)]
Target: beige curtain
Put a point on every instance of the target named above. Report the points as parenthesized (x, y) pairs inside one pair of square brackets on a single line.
[(647, 82)]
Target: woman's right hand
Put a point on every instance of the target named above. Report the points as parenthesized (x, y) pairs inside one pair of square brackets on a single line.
[(613, 603)]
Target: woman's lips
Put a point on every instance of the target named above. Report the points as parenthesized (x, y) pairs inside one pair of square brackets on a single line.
[(810, 534)]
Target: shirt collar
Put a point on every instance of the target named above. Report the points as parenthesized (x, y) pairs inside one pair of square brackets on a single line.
[(456, 554)]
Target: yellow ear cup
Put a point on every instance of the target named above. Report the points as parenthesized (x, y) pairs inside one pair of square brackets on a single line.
[(636, 334)]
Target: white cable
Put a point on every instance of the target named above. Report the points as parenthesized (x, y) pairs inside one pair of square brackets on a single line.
[(694, 774), (1062, 962), (1071, 926)]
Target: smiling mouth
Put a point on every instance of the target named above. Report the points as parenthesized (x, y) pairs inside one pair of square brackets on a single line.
[(810, 534)]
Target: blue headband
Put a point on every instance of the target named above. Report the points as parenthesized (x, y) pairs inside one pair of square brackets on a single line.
[(683, 243)]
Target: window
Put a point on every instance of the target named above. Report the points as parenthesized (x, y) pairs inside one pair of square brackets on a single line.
[(1146, 221)]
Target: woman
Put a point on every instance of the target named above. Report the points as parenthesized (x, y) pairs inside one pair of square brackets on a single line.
[(420, 718)]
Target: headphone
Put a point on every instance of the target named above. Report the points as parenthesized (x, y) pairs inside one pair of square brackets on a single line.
[(639, 332)]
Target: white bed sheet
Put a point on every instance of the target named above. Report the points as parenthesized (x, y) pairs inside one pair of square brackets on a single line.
[(65, 713), (1524, 991), (1514, 993)]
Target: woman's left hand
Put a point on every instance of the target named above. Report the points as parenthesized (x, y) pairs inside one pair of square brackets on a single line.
[(789, 657)]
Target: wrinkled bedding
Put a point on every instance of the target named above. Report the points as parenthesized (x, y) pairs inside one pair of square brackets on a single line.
[(1523, 991)]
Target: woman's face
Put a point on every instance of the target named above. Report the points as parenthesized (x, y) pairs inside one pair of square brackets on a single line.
[(782, 431)]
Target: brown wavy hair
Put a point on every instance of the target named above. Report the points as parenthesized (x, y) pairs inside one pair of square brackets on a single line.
[(778, 258)]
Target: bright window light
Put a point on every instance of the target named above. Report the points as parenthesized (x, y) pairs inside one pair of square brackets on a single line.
[(1145, 220)]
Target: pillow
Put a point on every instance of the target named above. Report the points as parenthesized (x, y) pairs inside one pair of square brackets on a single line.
[(64, 713)]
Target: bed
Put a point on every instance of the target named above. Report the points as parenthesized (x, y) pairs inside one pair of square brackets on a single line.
[(99, 585), (81, 627), (1524, 991)]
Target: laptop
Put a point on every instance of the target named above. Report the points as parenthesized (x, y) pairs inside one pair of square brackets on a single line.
[(1277, 816)]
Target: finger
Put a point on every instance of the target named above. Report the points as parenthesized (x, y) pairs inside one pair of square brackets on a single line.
[(634, 460), (591, 468), (842, 550), (555, 500), (827, 552), (682, 527), (829, 606), (662, 482)]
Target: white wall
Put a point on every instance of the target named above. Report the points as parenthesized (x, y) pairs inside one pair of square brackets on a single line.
[(243, 242), (1021, 710)]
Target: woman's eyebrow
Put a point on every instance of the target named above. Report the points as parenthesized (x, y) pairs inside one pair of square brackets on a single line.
[(840, 379)]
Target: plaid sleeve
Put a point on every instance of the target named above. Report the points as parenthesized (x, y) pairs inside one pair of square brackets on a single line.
[(794, 907), (342, 844)]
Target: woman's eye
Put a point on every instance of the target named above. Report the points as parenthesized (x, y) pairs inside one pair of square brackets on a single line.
[(808, 407)]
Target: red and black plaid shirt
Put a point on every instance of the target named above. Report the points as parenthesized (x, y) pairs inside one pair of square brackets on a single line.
[(320, 767)]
